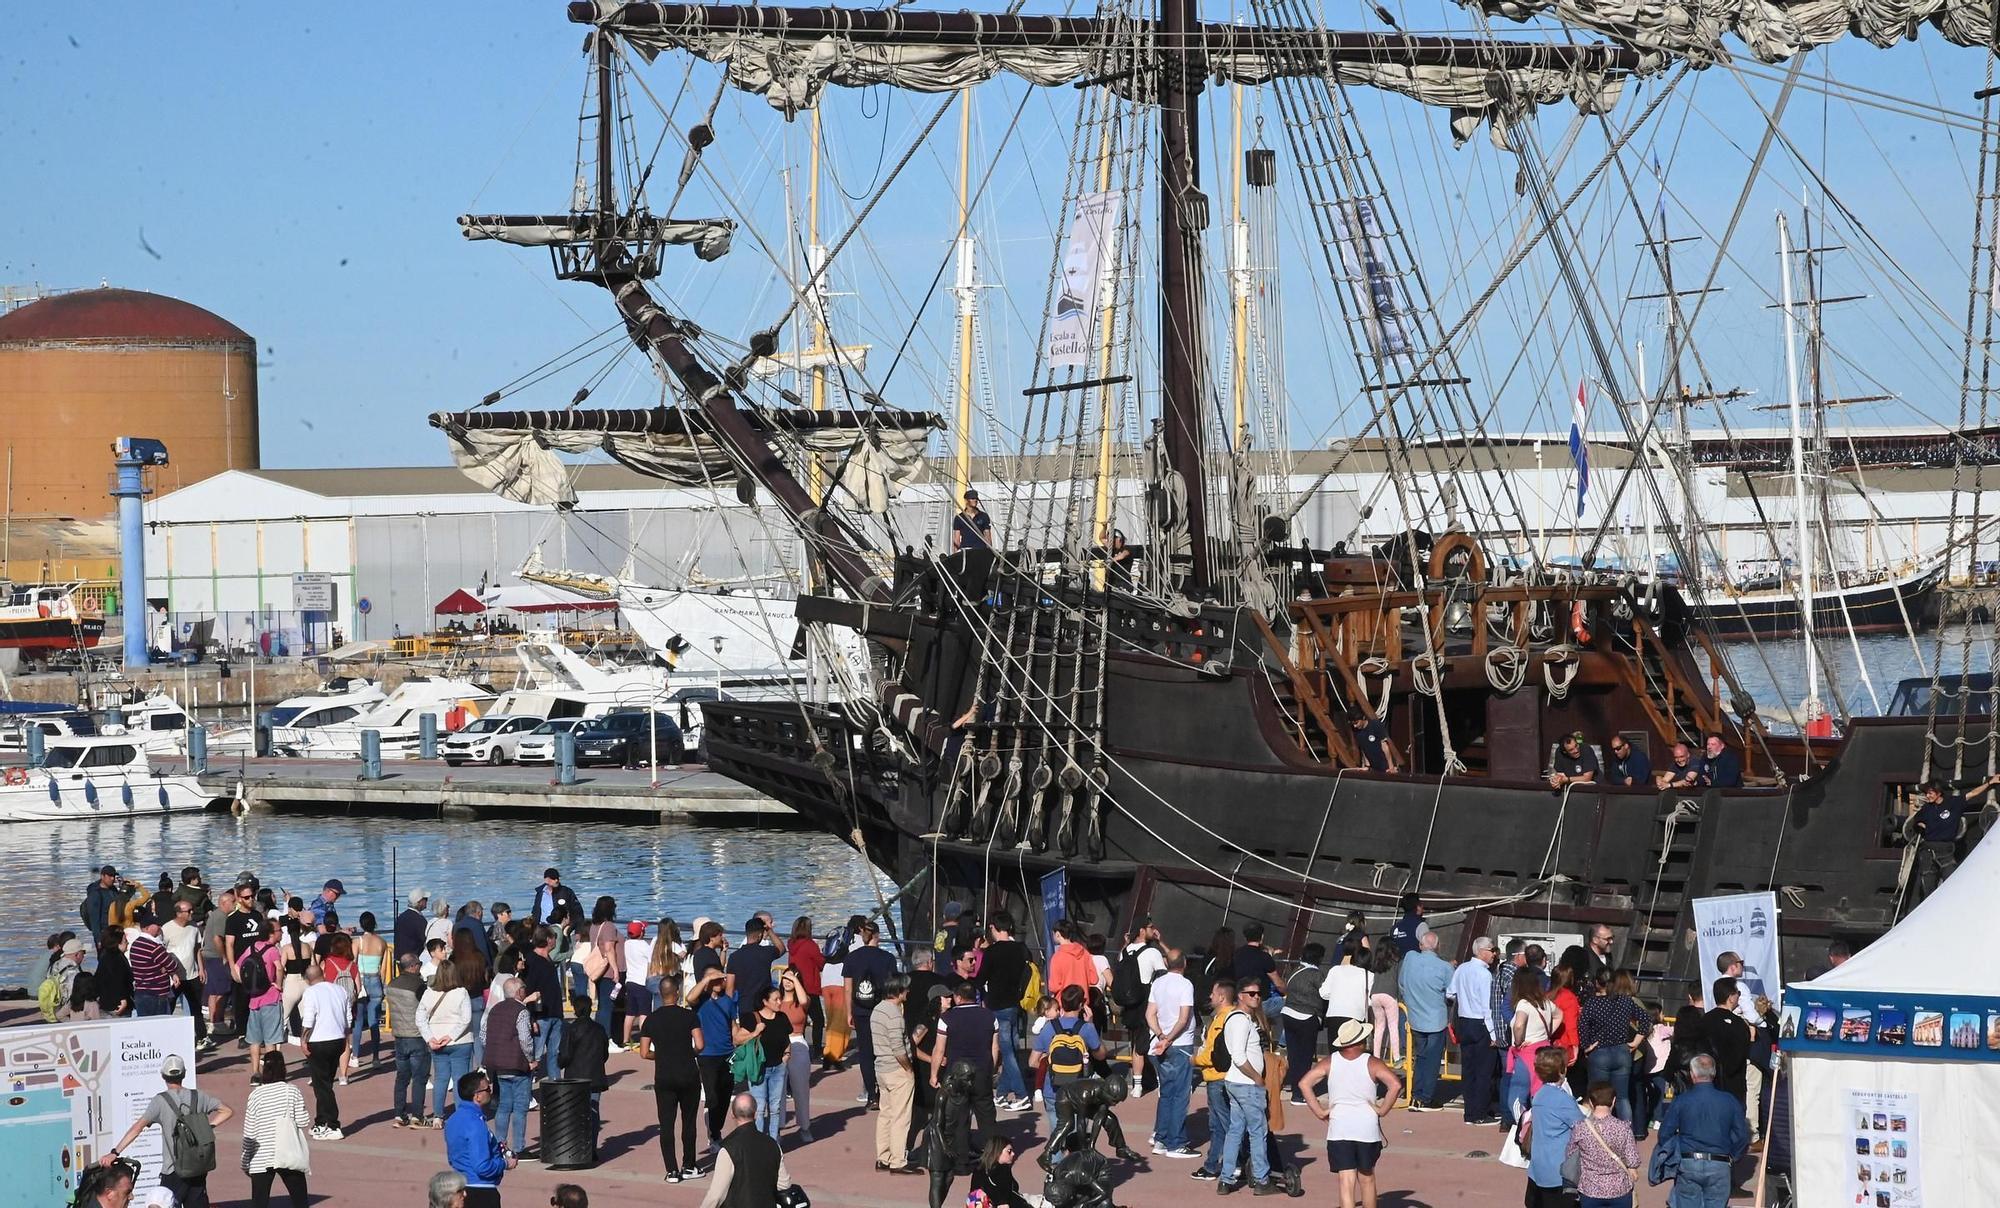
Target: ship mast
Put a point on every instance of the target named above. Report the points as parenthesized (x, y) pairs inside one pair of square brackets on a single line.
[(1183, 216), (966, 291), (1802, 552)]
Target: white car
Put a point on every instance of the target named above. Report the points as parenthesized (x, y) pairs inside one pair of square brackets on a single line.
[(489, 740), (540, 744)]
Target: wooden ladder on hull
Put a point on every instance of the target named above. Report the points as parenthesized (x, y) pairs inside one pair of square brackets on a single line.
[(1660, 908)]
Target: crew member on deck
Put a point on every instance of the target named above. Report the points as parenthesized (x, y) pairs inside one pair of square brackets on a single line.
[(1574, 763), (1372, 737), (971, 528), (1938, 824), (1684, 772), (1629, 767), (1725, 769)]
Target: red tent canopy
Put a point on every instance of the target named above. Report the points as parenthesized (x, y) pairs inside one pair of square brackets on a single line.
[(460, 603)]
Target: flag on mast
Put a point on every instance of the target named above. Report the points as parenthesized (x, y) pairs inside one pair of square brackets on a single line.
[(1579, 452)]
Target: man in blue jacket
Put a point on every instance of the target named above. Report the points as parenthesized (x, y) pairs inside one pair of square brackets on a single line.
[(471, 1147), (1707, 1126)]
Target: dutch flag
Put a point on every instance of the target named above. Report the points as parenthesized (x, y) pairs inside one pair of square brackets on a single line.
[(1579, 452)]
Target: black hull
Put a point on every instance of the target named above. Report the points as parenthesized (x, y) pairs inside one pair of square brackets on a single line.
[(1207, 830), (1868, 610)]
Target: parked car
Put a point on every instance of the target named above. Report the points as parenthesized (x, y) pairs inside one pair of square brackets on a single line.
[(540, 744), (489, 740), (628, 737)]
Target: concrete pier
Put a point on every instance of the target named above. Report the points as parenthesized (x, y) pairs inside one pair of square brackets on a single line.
[(428, 789)]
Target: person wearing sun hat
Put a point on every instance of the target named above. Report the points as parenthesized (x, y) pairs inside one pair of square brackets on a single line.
[(1352, 1107)]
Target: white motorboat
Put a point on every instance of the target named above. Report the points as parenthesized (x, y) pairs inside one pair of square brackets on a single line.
[(108, 776), (158, 722), (398, 718), (336, 702)]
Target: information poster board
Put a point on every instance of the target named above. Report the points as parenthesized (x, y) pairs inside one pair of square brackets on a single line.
[(1746, 924), (71, 1090), (1884, 1166)]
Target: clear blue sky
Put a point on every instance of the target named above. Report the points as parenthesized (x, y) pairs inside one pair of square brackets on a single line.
[(298, 170)]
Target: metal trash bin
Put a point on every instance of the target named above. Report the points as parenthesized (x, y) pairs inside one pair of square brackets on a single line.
[(566, 1129)]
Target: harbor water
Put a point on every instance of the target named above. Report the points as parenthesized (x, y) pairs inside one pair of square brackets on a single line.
[(1774, 671), (652, 871)]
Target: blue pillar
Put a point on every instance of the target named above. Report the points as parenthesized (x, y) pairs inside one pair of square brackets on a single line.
[(198, 750), (565, 758), (133, 455), (427, 736), (371, 754), (36, 752)]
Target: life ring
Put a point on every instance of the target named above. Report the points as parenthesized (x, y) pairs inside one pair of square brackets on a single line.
[(17, 776), (1579, 625), (43, 609)]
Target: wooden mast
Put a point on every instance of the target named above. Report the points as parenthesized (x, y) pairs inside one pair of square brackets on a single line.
[(1183, 215)]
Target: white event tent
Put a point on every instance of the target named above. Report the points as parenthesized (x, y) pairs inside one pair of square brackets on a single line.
[(1909, 1023)]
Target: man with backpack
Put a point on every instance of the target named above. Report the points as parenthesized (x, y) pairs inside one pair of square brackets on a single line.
[(188, 1119), (57, 996), (1131, 985), (1066, 1048)]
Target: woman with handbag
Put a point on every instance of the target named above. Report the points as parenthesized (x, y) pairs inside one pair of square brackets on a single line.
[(604, 963), (1605, 1153), (274, 1135)]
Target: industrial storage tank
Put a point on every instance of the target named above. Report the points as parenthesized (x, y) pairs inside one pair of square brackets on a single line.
[(80, 368)]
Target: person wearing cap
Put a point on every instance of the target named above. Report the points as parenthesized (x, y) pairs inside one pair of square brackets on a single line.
[(971, 528), (550, 894), (67, 962), (403, 996), (637, 999), (329, 894), (1573, 763), (410, 925), (190, 1187), (1360, 1090), (98, 901)]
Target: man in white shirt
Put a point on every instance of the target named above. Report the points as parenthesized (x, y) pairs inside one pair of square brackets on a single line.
[(1469, 997), (182, 936), (1244, 1086), (1170, 1020), (1149, 956), (325, 1011)]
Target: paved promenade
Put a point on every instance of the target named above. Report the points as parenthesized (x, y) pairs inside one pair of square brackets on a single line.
[(1432, 1161)]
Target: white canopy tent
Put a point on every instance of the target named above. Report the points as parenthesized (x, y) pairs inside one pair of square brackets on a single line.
[(1916, 1014)]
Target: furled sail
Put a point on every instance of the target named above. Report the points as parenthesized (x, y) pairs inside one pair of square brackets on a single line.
[(514, 454), (709, 237), (1773, 31), (788, 56)]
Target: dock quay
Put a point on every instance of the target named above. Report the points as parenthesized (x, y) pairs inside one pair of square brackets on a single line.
[(428, 789)]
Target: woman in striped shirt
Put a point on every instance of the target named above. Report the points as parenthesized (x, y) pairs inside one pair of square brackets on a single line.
[(276, 1108)]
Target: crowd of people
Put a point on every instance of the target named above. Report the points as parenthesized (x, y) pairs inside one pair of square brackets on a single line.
[(964, 1043)]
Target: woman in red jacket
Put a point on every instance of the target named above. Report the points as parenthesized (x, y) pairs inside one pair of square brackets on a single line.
[(803, 955)]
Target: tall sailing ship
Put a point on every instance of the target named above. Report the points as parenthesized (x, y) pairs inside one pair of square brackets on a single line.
[(1175, 736)]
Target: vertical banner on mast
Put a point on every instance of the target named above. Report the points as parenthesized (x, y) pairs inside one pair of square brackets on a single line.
[(1371, 275), (1086, 266), (1579, 445)]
